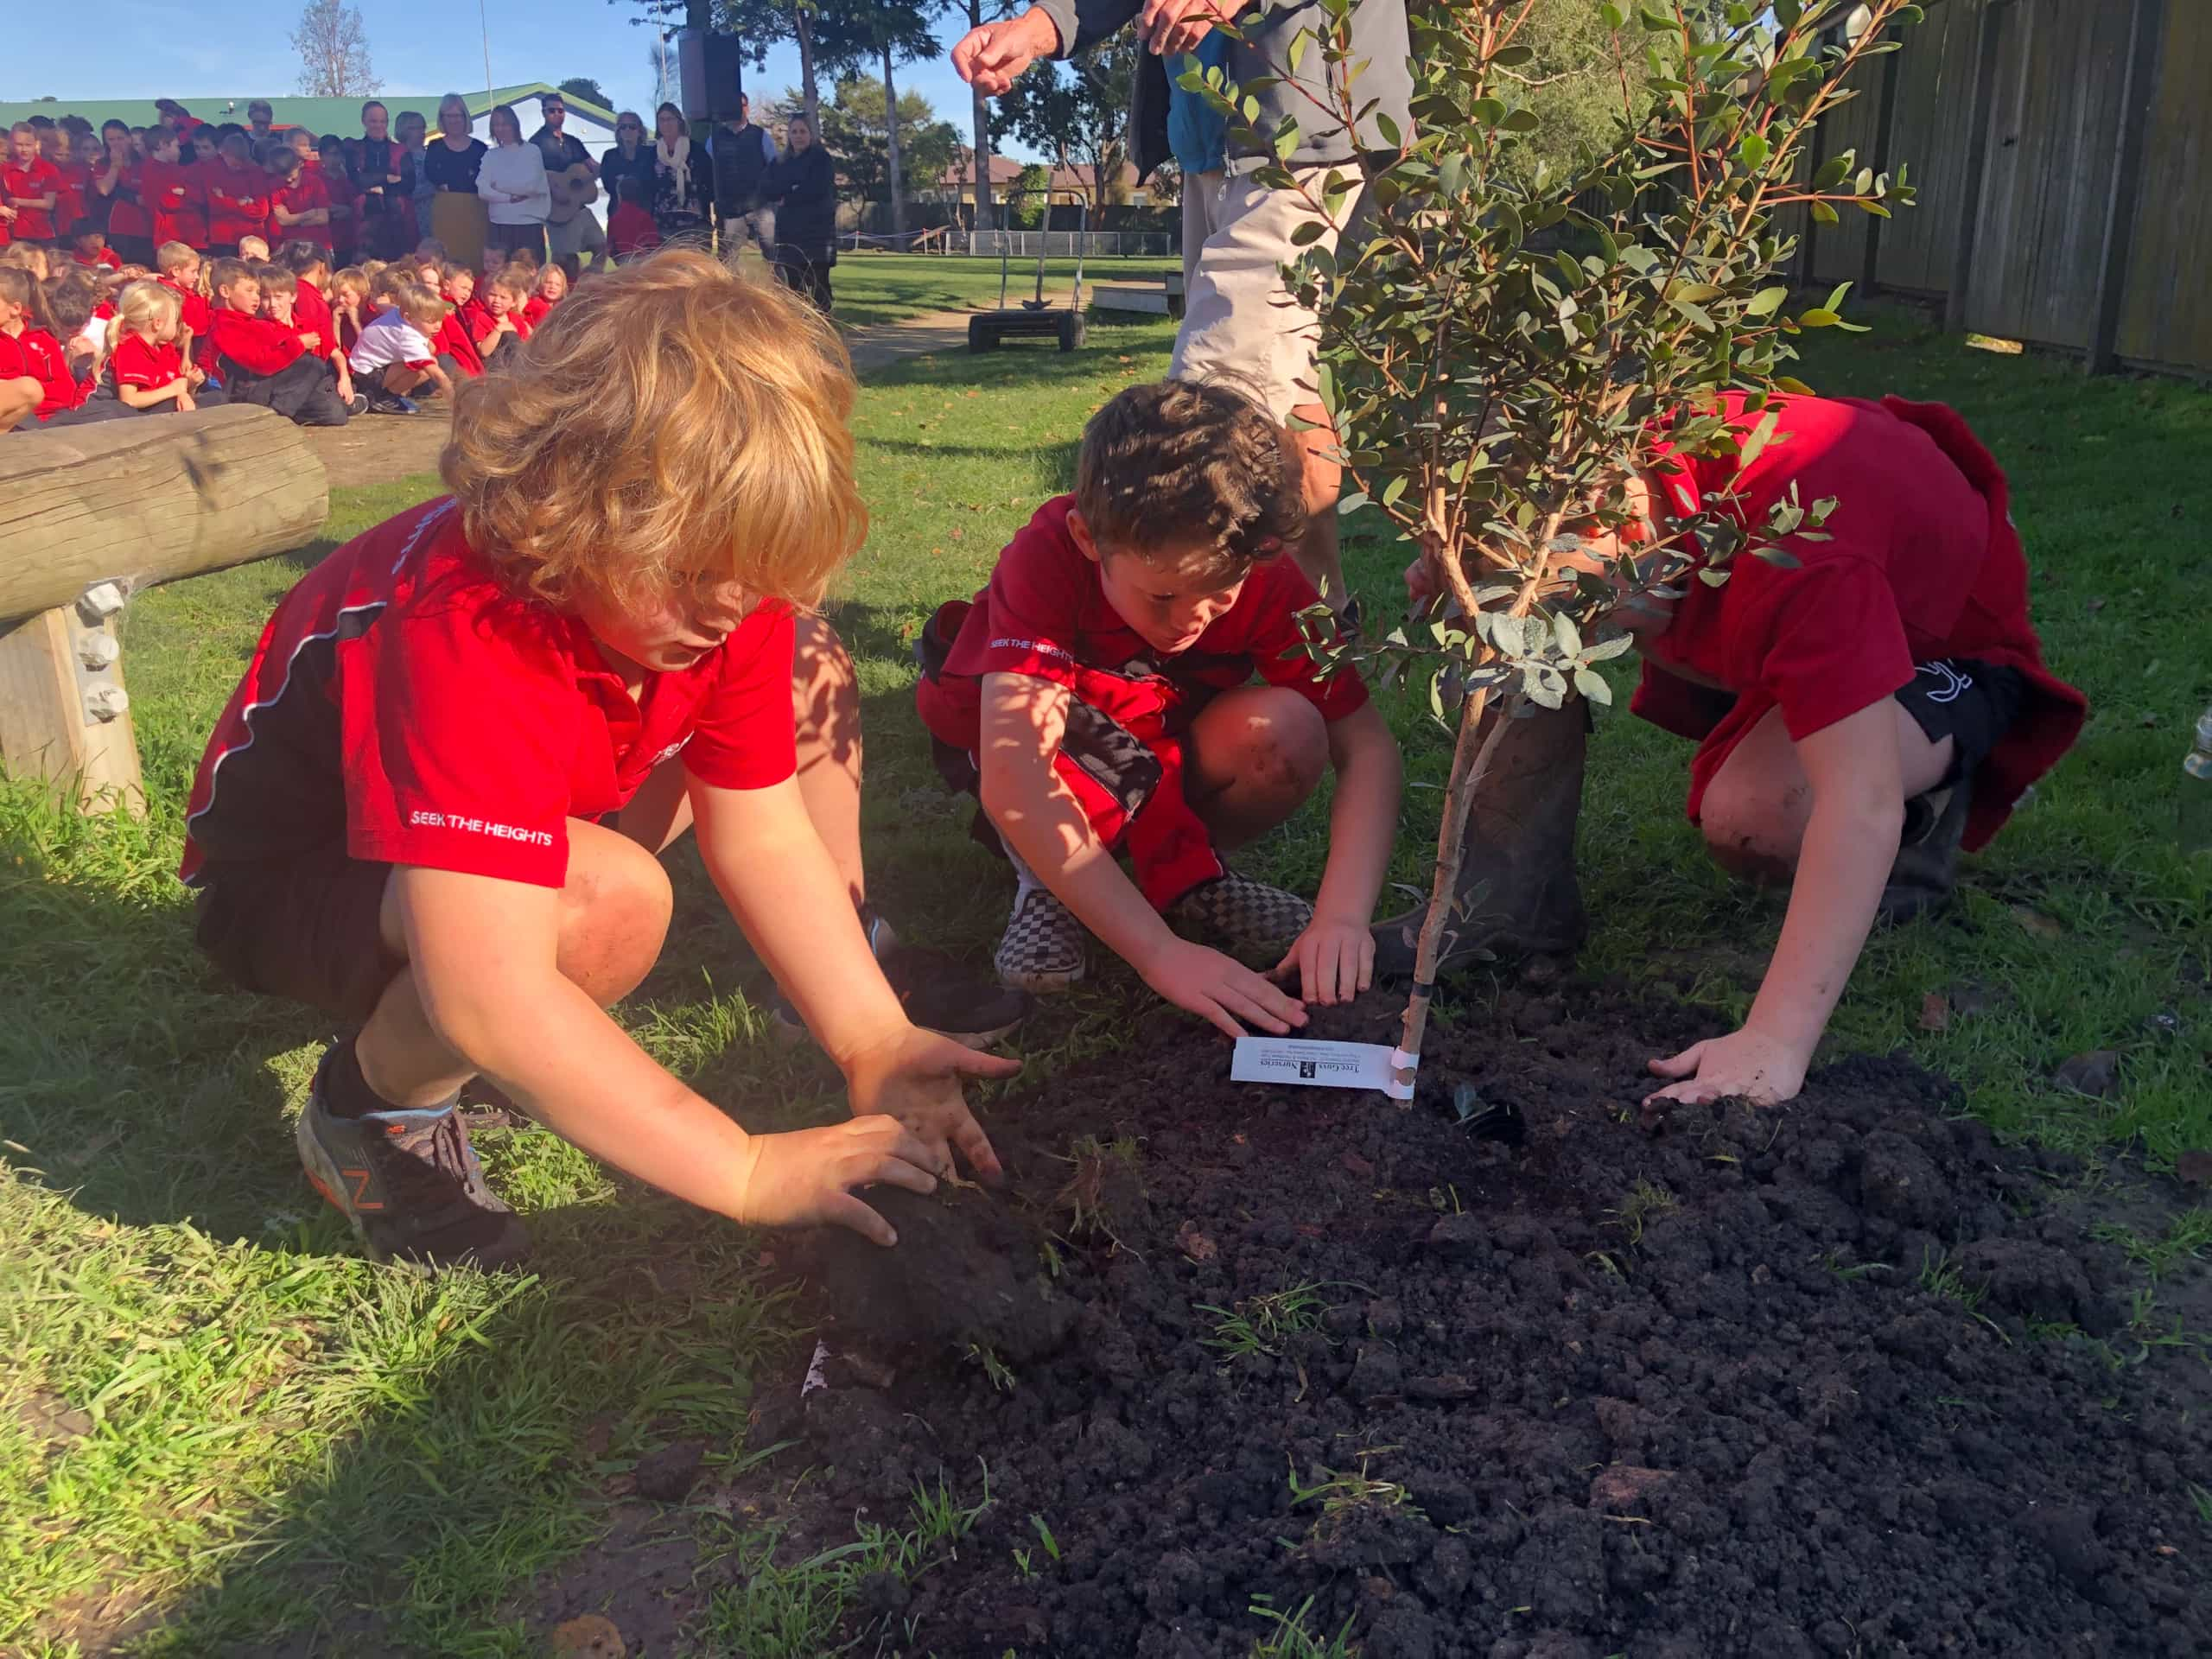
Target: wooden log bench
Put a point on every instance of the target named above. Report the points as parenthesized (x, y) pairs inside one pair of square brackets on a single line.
[(90, 515)]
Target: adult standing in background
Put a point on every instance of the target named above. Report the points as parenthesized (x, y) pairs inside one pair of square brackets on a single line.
[(258, 128), (384, 175), (1238, 317), (573, 177), (803, 185), (631, 157), (413, 133), (683, 184), (742, 155), (511, 181), (450, 163)]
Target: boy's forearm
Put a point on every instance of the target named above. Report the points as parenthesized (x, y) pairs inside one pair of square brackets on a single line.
[(1045, 824), (784, 891), (1363, 818), (547, 1043), (1841, 866)]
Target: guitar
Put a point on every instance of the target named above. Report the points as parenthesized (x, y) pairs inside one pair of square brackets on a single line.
[(574, 189)]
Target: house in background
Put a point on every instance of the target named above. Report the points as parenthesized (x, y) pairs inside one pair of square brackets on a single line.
[(593, 125)]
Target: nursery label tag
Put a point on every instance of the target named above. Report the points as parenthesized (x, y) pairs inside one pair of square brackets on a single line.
[(1317, 1064)]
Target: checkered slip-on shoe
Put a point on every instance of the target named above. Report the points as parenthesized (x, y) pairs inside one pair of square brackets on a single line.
[(1044, 948), (1249, 914)]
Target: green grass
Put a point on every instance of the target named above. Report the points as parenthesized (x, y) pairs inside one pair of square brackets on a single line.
[(884, 287), (280, 1438)]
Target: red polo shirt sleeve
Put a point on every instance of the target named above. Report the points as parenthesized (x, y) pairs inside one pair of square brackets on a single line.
[(1029, 616), (474, 722), (145, 366), (744, 737), (1824, 640), (1277, 591)]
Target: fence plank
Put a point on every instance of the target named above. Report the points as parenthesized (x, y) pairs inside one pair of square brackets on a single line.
[(2165, 317), (1928, 133)]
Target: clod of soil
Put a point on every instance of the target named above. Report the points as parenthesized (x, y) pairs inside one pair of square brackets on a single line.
[(1827, 1380), (668, 1474), (967, 1270)]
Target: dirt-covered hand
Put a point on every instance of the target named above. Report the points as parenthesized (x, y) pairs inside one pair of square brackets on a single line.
[(1222, 990), (989, 58), (1334, 961), (914, 1077), (1172, 26), (1745, 1065), (808, 1175)]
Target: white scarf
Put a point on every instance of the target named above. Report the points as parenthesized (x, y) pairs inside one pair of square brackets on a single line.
[(677, 162)]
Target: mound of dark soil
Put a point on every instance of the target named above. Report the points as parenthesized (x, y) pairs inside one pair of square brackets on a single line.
[(1823, 1381)]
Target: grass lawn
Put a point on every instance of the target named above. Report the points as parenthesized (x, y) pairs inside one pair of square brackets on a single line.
[(884, 287), (218, 1428)]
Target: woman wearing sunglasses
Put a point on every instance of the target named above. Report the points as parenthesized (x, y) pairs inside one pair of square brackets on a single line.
[(631, 157)]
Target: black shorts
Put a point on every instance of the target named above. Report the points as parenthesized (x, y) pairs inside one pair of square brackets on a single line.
[(1974, 703), (306, 929)]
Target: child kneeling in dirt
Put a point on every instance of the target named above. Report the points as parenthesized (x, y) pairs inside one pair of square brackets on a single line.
[(1860, 714), (434, 806), (1095, 697)]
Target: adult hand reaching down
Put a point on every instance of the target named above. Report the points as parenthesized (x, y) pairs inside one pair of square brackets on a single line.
[(990, 57)]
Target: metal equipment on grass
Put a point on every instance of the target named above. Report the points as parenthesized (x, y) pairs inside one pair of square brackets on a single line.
[(1034, 319)]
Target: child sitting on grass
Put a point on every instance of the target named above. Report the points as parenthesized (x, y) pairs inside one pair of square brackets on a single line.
[(435, 806), (1096, 697), (1861, 712), (394, 358)]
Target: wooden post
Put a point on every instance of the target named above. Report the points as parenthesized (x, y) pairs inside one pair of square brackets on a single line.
[(90, 513), (1984, 96), (64, 715), (2145, 24)]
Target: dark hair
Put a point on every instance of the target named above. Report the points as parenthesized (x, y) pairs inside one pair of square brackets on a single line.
[(631, 189), (70, 299), (1200, 462), (300, 256)]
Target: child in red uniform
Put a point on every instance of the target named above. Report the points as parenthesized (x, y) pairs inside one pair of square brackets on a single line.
[(349, 300), (148, 371), (299, 207), (178, 270), (37, 387), (262, 362), (116, 187), (454, 347), (500, 326), (1860, 715), (1096, 697), (395, 358), (169, 193), (93, 251), (238, 197), (30, 187), (74, 182), (552, 289), (433, 808), (630, 227)]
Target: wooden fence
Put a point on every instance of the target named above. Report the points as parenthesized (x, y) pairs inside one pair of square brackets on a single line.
[(2062, 151)]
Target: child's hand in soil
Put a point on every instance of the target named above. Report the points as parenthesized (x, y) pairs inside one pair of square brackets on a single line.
[(807, 1175), (1221, 990), (1335, 961), (1745, 1065), (914, 1077)]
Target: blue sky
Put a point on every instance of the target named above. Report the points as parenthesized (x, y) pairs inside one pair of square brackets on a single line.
[(155, 48)]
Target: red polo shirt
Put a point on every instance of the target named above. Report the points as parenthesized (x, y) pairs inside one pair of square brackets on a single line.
[(404, 704), (37, 177), (1045, 615), (177, 208), (237, 201), (35, 354), (258, 345), (303, 195), (139, 363), (1921, 562), (125, 217)]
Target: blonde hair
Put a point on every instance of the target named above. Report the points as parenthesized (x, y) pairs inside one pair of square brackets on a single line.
[(146, 303), (425, 307), (175, 256), (671, 422)]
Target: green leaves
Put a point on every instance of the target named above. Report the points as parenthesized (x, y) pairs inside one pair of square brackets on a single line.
[(1765, 302)]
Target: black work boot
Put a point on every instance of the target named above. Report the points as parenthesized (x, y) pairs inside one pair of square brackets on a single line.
[(1927, 867), (1517, 891)]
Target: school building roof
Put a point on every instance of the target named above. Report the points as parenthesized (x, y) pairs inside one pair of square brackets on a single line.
[(339, 114)]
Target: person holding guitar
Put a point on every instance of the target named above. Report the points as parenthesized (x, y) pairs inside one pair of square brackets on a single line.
[(573, 177)]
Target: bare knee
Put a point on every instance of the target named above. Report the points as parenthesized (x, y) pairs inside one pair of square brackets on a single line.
[(1283, 747), (615, 913), (1753, 835), (19, 399)]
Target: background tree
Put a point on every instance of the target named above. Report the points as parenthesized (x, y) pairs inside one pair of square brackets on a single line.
[(1027, 205), (1077, 112), (584, 87), (660, 61), (888, 33), (978, 13), (1500, 362), (854, 130), (334, 48)]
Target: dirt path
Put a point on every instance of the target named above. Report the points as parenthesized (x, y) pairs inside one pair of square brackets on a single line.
[(379, 447)]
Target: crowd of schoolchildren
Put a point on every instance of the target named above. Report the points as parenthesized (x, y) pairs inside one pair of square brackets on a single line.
[(154, 270)]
